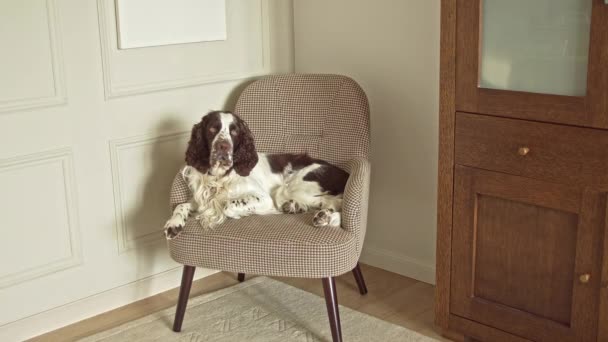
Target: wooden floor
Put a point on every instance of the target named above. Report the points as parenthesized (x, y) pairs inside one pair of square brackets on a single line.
[(391, 297)]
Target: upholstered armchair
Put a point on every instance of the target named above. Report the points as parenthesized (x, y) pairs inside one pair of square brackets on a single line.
[(326, 116)]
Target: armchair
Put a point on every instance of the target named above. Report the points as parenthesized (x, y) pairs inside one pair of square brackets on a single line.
[(326, 116)]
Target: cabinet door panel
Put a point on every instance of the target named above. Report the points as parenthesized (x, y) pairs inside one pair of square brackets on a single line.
[(507, 264), (519, 247), (539, 60)]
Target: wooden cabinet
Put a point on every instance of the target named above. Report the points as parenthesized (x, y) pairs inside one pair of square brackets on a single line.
[(522, 247)]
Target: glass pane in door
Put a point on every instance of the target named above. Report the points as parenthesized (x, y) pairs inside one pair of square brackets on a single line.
[(538, 46)]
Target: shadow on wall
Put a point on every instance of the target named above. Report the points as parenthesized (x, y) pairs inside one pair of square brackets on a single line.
[(233, 97), (161, 159)]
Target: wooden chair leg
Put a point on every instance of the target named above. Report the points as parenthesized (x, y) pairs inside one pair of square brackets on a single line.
[(241, 277), (359, 279), (184, 292), (331, 299)]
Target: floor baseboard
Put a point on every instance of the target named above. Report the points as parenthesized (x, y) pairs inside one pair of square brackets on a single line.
[(398, 263), (93, 305)]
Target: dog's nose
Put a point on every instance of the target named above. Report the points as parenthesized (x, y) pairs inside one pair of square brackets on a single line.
[(223, 146)]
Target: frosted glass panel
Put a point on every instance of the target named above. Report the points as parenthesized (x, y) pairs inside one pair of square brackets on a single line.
[(538, 46)]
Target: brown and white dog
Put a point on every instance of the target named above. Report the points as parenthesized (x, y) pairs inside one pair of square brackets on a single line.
[(229, 179)]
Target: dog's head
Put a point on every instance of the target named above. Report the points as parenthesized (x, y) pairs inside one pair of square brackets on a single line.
[(220, 142)]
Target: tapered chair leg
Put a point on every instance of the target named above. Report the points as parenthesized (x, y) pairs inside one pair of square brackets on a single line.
[(182, 301), (359, 279), (331, 299), (241, 277)]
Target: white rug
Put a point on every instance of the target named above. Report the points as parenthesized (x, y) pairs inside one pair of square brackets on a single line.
[(260, 309)]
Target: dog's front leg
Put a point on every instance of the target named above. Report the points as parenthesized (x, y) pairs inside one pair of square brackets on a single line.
[(176, 223)]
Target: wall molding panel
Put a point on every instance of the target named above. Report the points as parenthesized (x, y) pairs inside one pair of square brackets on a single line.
[(117, 147), (110, 54), (62, 158), (59, 96)]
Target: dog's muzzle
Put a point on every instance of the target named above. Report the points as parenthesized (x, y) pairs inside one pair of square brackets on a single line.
[(222, 153)]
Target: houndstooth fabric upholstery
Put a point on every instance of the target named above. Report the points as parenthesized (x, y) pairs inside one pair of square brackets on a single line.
[(326, 116)]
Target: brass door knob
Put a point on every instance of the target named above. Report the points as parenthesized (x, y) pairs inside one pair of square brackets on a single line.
[(584, 279), (523, 151)]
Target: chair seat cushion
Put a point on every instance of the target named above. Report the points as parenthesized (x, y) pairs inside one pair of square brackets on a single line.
[(274, 245)]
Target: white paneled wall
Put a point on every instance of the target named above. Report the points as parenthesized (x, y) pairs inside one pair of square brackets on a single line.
[(32, 69), (90, 138), (391, 47)]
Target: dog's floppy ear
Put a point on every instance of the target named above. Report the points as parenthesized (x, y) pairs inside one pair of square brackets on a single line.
[(245, 156), (198, 152)]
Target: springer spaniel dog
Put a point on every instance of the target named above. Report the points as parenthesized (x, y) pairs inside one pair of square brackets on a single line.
[(229, 179)]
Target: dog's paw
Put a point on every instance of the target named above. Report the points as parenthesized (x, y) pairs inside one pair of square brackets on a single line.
[(292, 207), (323, 218), (172, 232), (174, 227)]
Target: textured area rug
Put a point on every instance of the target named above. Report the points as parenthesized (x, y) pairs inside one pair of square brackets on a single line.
[(260, 309)]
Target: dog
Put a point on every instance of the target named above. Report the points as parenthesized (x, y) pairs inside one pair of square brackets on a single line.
[(228, 178)]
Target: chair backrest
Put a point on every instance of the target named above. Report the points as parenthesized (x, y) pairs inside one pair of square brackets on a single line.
[(326, 116)]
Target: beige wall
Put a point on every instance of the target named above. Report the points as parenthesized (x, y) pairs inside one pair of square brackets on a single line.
[(90, 139), (392, 48)]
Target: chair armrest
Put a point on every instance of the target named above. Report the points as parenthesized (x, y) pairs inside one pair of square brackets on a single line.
[(180, 193), (356, 197)]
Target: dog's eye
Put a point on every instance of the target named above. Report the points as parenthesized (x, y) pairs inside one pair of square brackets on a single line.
[(212, 130), (234, 133)]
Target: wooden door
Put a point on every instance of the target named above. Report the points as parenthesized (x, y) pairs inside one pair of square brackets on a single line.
[(91, 138), (525, 255), (540, 60)]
